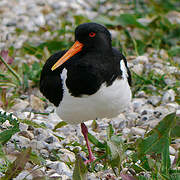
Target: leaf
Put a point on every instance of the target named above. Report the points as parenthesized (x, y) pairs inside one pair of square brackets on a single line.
[(80, 169), (157, 138), (117, 151), (95, 141), (106, 21), (36, 159), (32, 123), (110, 131), (7, 134), (18, 165), (59, 125), (175, 131), (174, 51), (166, 162), (129, 20)]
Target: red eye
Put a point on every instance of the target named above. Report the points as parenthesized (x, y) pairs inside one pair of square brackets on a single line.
[(92, 34)]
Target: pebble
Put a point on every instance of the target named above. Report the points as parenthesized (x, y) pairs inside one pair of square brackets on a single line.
[(55, 175), (66, 155), (20, 106), (172, 151), (172, 158), (142, 59), (138, 68), (26, 134), (154, 100), (62, 168), (24, 174), (44, 153), (138, 131), (168, 96), (36, 103), (126, 131), (23, 127), (137, 103)]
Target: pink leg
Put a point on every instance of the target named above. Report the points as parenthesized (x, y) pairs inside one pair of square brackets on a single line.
[(84, 131)]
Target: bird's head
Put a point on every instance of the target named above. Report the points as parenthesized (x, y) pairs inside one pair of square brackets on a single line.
[(87, 36)]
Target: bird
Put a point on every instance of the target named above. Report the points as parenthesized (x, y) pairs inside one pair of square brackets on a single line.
[(88, 81)]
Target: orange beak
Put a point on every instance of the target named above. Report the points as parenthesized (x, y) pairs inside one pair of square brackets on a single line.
[(77, 46)]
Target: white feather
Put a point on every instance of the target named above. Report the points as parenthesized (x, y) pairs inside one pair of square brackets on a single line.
[(106, 102)]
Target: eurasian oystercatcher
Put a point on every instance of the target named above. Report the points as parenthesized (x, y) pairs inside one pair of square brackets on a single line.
[(89, 80)]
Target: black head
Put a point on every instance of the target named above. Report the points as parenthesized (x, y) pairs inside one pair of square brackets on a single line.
[(88, 36), (93, 35)]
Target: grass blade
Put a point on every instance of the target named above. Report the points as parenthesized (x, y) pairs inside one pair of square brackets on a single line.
[(16, 75), (80, 170)]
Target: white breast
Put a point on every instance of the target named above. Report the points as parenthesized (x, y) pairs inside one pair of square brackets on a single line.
[(106, 102)]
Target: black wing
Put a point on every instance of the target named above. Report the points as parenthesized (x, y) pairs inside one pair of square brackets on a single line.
[(50, 81)]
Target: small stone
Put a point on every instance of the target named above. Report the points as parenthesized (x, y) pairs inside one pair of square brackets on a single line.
[(37, 145), (23, 127), (138, 68), (141, 94), (67, 156), (138, 131), (173, 17), (172, 151), (36, 103), (164, 54), (20, 106), (55, 175), (126, 131), (119, 122), (178, 112), (49, 140), (132, 116), (137, 103), (37, 172), (44, 153), (144, 118), (158, 65), (172, 158), (24, 174), (62, 168), (154, 100), (25, 115), (51, 164), (142, 59), (20, 141), (172, 70), (98, 167), (151, 87), (151, 123), (170, 81), (27, 134), (40, 20), (158, 71), (168, 96), (157, 114)]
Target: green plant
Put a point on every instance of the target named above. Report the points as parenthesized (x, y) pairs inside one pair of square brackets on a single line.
[(11, 130), (149, 154)]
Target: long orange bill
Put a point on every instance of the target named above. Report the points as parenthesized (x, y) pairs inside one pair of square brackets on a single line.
[(77, 46)]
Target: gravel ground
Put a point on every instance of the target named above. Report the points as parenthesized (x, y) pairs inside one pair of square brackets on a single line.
[(145, 111)]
